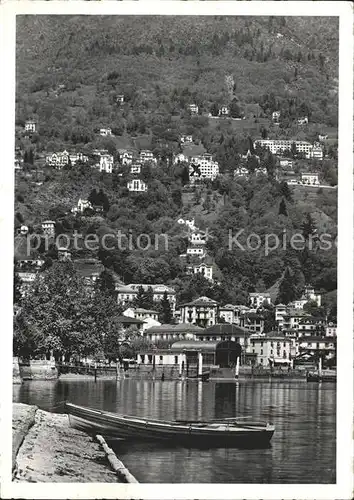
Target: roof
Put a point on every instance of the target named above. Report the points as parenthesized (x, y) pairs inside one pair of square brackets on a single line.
[(201, 301), (128, 320), (155, 287), (225, 329), (179, 328), (147, 311), (263, 294), (317, 339), (194, 345)]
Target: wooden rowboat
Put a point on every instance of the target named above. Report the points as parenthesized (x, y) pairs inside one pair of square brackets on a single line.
[(222, 432)]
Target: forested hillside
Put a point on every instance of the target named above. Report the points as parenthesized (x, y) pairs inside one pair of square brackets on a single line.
[(70, 71)]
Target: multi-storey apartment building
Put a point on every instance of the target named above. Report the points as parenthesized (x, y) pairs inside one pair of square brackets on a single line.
[(276, 146), (201, 312), (203, 167), (273, 350), (127, 293)]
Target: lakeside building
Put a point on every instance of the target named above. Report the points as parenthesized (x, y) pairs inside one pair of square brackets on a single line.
[(181, 331), (137, 186), (223, 332), (148, 316), (30, 126), (203, 167), (270, 350), (127, 293), (315, 344), (201, 312), (252, 321), (276, 146), (258, 299)]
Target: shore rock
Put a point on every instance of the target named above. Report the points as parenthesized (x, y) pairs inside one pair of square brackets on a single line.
[(54, 452)]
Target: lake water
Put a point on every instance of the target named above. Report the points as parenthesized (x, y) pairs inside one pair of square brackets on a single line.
[(302, 450)]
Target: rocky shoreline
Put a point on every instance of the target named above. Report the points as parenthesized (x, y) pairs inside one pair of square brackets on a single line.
[(47, 449)]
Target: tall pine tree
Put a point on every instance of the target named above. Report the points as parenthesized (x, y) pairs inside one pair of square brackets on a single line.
[(165, 312), (287, 288)]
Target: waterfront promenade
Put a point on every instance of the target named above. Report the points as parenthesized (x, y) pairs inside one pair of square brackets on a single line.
[(46, 449)]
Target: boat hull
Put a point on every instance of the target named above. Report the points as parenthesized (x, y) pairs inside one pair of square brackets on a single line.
[(133, 428)]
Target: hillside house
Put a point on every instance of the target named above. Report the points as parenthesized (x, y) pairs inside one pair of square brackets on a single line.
[(202, 312), (310, 178), (317, 152), (187, 222), (241, 172), (120, 99), (203, 167), (303, 120), (180, 158), (196, 251), (277, 146), (82, 205), (149, 317), (105, 131), (276, 116), (48, 227), (57, 160), (193, 109), (322, 137), (78, 156), (286, 163), (30, 126), (127, 293), (147, 156), (203, 269), (224, 111), (186, 139), (258, 299), (314, 344), (135, 168), (137, 186), (106, 163), (231, 313), (125, 156), (252, 322)]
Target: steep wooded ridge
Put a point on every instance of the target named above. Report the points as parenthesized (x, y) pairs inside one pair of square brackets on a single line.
[(70, 70), (157, 55)]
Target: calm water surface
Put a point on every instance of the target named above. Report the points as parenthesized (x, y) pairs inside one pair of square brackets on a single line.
[(303, 448)]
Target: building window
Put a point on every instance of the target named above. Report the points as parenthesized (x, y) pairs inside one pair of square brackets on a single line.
[(150, 358), (262, 361), (161, 358), (261, 352), (253, 351), (142, 356), (176, 360), (284, 354)]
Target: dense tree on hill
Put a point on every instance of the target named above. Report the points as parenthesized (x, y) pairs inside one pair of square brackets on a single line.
[(106, 283), (17, 289), (287, 289), (282, 208), (235, 110), (165, 311)]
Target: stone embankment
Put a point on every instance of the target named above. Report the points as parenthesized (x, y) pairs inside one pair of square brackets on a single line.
[(47, 449)]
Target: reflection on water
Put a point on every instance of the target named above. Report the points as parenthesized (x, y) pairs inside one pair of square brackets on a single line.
[(304, 414)]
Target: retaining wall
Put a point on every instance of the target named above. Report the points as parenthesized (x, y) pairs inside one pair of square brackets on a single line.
[(38, 370)]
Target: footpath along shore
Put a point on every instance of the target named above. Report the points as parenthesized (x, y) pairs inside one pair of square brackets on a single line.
[(47, 449)]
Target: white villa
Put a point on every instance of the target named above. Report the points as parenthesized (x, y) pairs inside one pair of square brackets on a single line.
[(137, 186)]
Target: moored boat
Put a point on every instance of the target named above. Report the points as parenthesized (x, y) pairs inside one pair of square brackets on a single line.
[(219, 432)]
